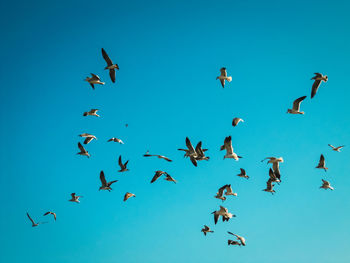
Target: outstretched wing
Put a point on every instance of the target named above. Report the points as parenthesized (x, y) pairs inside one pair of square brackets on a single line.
[(296, 103), (31, 219), (106, 58), (103, 178), (112, 74)]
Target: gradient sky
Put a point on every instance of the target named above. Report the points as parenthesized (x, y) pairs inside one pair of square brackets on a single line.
[(170, 53)]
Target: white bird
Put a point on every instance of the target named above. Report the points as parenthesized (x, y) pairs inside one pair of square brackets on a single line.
[(83, 151), (105, 185), (326, 185), (115, 140), (75, 198), (229, 149), (128, 195), (235, 121), (318, 79), (223, 77), (322, 164), (94, 80), (224, 213), (243, 174), (147, 154), (122, 165), (88, 137), (296, 106), (337, 149), (51, 213), (206, 230), (241, 239), (112, 67), (33, 222), (92, 112)]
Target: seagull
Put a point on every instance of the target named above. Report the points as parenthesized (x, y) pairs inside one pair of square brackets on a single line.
[(122, 166), (241, 239), (233, 242), (206, 230), (94, 80), (128, 195), (157, 175), (75, 198), (33, 223), (83, 151), (200, 152), (92, 112), (169, 178), (318, 79), (115, 140), (51, 213), (190, 152), (326, 185), (88, 137), (243, 174), (112, 67), (337, 149), (322, 163), (220, 193), (235, 121), (273, 177), (229, 149), (224, 213), (223, 77), (275, 165), (157, 155), (296, 106), (269, 187), (105, 185)]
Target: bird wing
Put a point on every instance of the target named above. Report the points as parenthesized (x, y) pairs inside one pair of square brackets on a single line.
[(112, 74), (120, 162), (88, 139), (243, 171), (330, 145), (193, 160), (103, 178), (165, 158), (94, 76), (106, 58), (315, 87), (296, 103), (47, 213), (322, 161), (82, 149), (216, 217), (31, 219), (93, 111), (73, 195), (228, 188), (228, 145), (126, 196), (156, 176), (189, 145), (325, 182)]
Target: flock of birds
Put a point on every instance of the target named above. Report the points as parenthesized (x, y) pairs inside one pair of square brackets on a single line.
[(197, 154)]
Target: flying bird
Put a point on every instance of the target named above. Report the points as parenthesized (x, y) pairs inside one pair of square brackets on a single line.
[(235, 121), (51, 213), (275, 165), (269, 187), (128, 195), (229, 149), (92, 112), (200, 153), (241, 239), (123, 167), (190, 152), (223, 77), (169, 178), (112, 67), (94, 80), (115, 140), (296, 106), (224, 213), (326, 185), (318, 79), (322, 164), (206, 230), (147, 154), (106, 185), (243, 174), (83, 151), (88, 137), (75, 198), (337, 149), (157, 175), (220, 193), (229, 191)]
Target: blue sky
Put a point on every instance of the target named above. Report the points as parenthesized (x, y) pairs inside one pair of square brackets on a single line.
[(169, 55)]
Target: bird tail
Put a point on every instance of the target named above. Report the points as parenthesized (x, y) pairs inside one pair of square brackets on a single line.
[(229, 79)]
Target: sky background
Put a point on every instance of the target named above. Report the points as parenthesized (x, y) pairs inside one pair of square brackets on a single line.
[(169, 54)]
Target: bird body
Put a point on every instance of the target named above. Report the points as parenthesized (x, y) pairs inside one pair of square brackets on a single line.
[(113, 139), (229, 149), (296, 106), (94, 79), (224, 213), (318, 79), (83, 151), (206, 230), (110, 65), (326, 185), (223, 77), (75, 198), (123, 166), (92, 112), (243, 174), (105, 185), (236, 120), (322, 164), (128, 195)]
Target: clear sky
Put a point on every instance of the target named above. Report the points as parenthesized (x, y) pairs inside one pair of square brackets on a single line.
[(170, 53)]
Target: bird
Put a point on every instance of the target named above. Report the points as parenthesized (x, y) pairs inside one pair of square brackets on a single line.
[(241, 239), (105, 185), (337, 149), (206, 230), (92, 112), (296, 106), (326, 185), (94, 80), (88, 137), (223, 77), (243, 174), (236, 120), (147, 154), (233, 242), (113, 139), (128, 195), (200, 153), (83, 151), (229, 191), (273, 177), (318, 79), (220, 193), (157, 175), (224, 213), (275, 165), (75, 198), (269, 187), (190, 152), (229, 149), (123, 167), (112, 67), (51, 213), (33, 222), (322, 164), (169, 178)]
